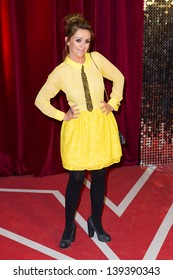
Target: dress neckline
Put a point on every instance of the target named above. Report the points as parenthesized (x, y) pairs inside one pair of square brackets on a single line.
[(79, 65)]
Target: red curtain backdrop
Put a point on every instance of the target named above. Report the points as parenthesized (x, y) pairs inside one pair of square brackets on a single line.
[(31, 45)]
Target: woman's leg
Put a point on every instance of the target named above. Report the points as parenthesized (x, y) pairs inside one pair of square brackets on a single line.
[(75, 183), (97, 192)]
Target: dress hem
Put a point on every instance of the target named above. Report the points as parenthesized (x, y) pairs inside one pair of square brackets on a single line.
[(91, 167)]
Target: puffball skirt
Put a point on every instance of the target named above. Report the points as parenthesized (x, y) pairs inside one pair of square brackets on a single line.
[(90, 142)]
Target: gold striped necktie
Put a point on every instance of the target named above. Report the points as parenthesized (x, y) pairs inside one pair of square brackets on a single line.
[(89, 104)]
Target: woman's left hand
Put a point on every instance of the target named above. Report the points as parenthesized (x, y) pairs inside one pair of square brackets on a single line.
[(106, 108)]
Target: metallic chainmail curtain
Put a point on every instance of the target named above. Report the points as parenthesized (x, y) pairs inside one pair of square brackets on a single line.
[(156, 144)]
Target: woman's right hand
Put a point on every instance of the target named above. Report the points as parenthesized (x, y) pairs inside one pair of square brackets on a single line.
[(72, 113)]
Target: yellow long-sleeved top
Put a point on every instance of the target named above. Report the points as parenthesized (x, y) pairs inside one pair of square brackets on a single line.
[(67, 77)]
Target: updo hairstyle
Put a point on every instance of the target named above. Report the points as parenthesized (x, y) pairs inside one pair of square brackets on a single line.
[(73, 22)]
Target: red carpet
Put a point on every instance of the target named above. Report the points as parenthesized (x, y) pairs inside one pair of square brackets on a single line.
[(138, 214)]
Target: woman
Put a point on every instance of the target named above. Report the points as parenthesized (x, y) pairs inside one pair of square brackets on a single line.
[(89, 133)]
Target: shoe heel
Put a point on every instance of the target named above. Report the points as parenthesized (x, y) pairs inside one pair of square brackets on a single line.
[(104, 237)]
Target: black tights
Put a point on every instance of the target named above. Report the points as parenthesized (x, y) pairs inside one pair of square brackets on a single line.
[(97, 191)]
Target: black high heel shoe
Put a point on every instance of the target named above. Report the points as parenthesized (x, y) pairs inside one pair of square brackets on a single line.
[(104, 237), (65, 243)]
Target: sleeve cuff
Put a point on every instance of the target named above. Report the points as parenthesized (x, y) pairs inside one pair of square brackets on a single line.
[(114, 103), (59, 115)]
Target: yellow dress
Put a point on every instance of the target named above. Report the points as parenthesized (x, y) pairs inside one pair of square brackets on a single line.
[(92, 140)]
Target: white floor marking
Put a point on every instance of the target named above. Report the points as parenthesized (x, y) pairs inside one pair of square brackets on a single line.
[(120, 209), (34, 245), (160, 236), (26, 190)]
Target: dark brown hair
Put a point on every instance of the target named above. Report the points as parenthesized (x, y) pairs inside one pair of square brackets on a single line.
[(73, 22)]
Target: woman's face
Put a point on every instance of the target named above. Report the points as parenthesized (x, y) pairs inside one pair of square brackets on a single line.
[(79, 44)]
